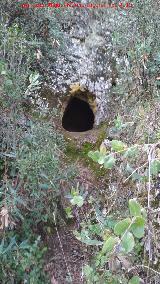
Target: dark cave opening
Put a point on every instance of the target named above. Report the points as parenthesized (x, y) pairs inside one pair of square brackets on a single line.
[(78, 116)]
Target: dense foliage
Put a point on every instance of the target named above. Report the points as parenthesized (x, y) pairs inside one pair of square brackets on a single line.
[(122, 231), (30, 167)]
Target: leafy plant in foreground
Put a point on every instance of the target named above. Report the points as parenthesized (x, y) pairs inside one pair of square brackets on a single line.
[(21, 261), (116, 242), (117, 151)]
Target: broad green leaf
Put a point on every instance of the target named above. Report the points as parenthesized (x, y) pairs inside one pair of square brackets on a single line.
[(101, 159), (84, 238), (118, 145), (131, 152), (137, 227), (68, 211), (134, 280), (94, 155), (95, 229), (118, 122), (128, 242), (90, 154), (109, 244), (77, 200), (109, 162), (103, 149), (122, 226), (134, 207), (155, 167)]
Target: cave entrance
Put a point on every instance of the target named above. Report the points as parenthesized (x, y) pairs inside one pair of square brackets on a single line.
[(78, 116)]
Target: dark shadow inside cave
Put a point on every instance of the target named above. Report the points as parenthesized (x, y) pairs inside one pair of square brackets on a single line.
[(78, 116)]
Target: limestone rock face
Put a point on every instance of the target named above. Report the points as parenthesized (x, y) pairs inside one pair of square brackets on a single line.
[(88, 58)]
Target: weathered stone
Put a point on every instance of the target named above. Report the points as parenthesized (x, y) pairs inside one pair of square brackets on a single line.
[(88, 57)]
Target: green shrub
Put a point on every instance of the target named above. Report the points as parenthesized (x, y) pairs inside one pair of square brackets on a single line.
[(21, 262)]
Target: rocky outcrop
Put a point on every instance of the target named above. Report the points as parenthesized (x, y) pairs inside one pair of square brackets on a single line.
[(88, 57)]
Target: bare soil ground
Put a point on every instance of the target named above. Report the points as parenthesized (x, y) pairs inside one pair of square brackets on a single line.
[(66, 258)]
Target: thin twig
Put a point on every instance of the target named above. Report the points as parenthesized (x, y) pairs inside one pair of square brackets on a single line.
[(135, 171), (61, 246), (149, 175), (149, 206), (144, 266)]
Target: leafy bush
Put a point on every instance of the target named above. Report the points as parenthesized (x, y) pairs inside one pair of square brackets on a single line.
[(136, 42), (116, 240), (21, 261), (129, 155), (30, 149), (29, 192)]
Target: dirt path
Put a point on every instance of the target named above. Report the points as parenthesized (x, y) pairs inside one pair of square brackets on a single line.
[(66, 258)]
